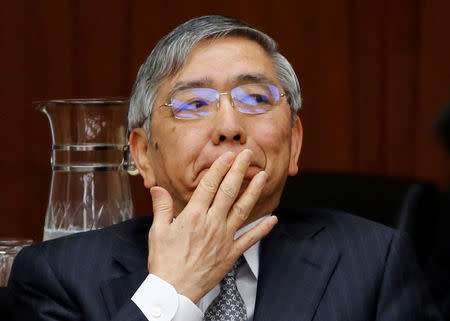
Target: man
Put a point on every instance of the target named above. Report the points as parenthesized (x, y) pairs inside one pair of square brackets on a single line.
[(214, 133)]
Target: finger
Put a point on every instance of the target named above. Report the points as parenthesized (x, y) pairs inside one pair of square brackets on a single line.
[(231, 185), (243, 207), (162, 205), (248, 239), (206, 190)]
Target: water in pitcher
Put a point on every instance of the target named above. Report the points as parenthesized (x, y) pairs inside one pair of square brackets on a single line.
[(50, 234), (96, 200)]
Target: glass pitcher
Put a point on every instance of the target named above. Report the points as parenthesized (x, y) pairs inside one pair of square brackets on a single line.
[(9, 248), (90, 188)]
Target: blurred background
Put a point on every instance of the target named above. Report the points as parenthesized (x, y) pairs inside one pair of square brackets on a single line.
[(374, 77)]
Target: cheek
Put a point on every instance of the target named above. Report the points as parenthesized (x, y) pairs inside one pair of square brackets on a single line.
[(179, 144), (275, 138)]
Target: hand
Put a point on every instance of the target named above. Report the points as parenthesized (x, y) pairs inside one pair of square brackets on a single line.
[(195, 251)]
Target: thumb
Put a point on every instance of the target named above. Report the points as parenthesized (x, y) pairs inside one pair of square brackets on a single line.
[(162, 205)]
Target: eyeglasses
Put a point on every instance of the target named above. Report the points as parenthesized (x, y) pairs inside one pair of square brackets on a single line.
[(195, 103)]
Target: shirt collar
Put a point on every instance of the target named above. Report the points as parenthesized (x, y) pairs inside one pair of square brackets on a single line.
[(252, 254)]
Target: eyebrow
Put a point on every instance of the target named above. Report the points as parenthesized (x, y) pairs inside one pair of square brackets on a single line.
[(208, 83), (183, 85), (251, 78)]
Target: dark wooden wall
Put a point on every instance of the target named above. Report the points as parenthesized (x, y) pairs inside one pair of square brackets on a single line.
[(374, 76)]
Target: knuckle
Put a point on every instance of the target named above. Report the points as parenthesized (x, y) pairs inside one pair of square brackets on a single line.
[(228, 190), (208, 186), (195, 215), (162, 208), (252, 239), (240, 211)]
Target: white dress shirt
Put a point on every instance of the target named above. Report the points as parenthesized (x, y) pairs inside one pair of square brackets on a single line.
[(159, 301)]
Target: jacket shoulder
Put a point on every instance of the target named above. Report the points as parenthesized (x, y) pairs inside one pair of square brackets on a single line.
[(333, 220), (347, 233), (129, 230), (69, 255)]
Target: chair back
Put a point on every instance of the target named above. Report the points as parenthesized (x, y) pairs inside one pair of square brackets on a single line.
[(408, 205)]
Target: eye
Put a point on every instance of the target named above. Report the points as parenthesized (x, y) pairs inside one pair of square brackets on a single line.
[(255, 99), (261, 98), (192, 105)]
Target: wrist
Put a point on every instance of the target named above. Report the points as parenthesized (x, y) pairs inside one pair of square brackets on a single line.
[(191, 290)]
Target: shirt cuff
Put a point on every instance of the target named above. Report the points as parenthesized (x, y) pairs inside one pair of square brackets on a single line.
[(187, 310), (159, 301)]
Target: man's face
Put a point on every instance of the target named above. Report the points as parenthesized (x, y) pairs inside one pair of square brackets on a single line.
[(181, 151)]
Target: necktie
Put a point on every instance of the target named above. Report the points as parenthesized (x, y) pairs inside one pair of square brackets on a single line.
[(228, 305)]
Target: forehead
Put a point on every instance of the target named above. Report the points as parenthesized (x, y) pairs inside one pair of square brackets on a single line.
[(224, 62)]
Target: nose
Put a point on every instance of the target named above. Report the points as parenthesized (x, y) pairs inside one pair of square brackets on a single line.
[(228, 124)]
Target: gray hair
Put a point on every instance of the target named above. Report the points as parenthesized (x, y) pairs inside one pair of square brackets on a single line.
[(170, 54)]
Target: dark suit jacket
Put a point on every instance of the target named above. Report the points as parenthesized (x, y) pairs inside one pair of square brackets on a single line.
[(314, 265)]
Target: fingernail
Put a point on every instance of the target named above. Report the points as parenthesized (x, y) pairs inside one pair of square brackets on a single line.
[(155, 191), (261, 178), (227, 158)]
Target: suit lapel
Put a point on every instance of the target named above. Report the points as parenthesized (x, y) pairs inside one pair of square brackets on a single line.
[(295, 267), (129, 256)]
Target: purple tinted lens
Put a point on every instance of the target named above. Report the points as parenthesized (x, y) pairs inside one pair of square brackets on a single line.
[(185, 116), (275, 92), (256, 98), (194, 103), (207, 94)]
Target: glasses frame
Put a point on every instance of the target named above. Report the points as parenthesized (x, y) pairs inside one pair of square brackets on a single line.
[(282, 94)]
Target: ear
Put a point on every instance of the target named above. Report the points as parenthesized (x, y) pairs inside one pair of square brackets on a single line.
[(296, 146), (140, 151)]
